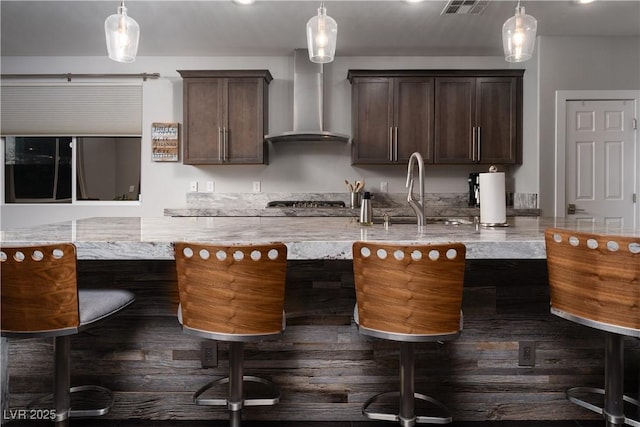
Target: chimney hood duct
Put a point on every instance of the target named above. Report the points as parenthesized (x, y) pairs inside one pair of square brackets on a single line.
[(307, 104)]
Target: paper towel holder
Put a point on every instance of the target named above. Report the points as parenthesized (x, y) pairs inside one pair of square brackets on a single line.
[(492, 169)]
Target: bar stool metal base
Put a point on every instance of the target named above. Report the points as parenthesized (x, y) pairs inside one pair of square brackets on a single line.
[(614, 398), (235, 399), (406, 422), (272, 399), (572, 395), (62, 416), (407, 396), (62, 394)]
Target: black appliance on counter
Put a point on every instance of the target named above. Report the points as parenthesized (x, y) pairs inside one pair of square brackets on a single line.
[(474, 189)]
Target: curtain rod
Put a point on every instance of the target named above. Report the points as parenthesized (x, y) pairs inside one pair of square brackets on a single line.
[(69, 76)]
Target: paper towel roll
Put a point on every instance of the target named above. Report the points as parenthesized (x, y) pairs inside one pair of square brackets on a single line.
[(493, 208)]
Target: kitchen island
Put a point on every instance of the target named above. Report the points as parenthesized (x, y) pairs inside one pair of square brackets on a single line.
[(307, 238), (325, 369)]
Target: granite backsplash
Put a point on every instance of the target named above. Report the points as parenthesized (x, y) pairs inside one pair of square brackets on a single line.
[(392, 204)]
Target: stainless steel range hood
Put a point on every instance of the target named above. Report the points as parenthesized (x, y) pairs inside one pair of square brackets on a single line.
[(307, 104)]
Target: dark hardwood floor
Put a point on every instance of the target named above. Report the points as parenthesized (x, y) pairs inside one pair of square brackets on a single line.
[(144, 423), (355, 424)]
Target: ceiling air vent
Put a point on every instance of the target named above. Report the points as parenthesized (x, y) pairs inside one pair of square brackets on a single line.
[(464, 7)]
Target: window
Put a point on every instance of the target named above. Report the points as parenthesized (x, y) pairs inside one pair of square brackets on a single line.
[(37, 170), (41, 169), (71, 142), (108, 168)]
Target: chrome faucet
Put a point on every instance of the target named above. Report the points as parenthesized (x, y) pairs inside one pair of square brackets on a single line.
[(417, 206)]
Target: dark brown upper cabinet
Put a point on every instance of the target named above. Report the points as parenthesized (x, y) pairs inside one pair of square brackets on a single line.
[(449, 116), (478, 120), (225, 116), (392, 118)]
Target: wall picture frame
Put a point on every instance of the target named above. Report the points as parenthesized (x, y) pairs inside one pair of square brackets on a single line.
[(165, 142)]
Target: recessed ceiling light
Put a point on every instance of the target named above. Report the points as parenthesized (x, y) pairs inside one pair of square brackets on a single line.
[(583, 1), (244, 2), (414, 1)]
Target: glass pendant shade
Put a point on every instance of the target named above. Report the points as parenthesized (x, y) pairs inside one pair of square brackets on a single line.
[(122, 33), (519, 36), (322, 33)]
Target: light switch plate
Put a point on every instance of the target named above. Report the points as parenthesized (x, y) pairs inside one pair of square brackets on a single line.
[(256, 186), (209, 354), (193, 186), (527, 353), (210, 186)]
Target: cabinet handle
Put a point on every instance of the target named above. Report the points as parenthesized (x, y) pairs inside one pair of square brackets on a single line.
[(395, 145), (226, 144), (473, 144), (220, 144), (479, 143), (390, 143)]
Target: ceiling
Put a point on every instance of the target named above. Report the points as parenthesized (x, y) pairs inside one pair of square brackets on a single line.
[(270, 27)]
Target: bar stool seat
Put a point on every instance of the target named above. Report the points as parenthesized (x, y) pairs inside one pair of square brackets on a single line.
[(236, 294), (409, 294), (594, 281), (40, 298)]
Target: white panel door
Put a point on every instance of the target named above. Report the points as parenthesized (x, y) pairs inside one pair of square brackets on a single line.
[(600, 162)]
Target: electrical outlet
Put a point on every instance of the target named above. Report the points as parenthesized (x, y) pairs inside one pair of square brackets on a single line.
[(209, 354), (132, 188), (384, 187), (193, 186), (209, 186), (527, 353), (256, 186)]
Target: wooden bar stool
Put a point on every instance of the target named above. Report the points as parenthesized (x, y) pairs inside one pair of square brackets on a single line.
[(408, 294), (236, 294), (40, 298), (594, 280)]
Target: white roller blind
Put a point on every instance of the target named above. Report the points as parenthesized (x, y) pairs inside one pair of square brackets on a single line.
[(74, 110)]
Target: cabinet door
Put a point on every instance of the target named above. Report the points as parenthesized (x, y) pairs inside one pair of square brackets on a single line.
[(244, 133), (496, 119), (372, 121), (413, 118), (454, 120), (203, 116)]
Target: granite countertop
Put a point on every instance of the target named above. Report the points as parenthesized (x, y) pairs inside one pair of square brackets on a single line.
[(131, 238), (432, 212), (438, 205)]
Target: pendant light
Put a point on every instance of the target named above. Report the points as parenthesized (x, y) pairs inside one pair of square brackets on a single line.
[(122, 33), (322, 32), (519, 36)]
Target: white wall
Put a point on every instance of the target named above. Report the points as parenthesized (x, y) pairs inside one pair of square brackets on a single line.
[(578, 63), (562, 63)]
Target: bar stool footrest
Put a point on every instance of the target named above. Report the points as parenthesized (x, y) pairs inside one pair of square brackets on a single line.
[(407, 422), (93, 412), (75, 392), (572, 396), (271, 397)]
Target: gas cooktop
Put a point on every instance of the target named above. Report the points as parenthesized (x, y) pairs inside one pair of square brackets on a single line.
[(307, 204)]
